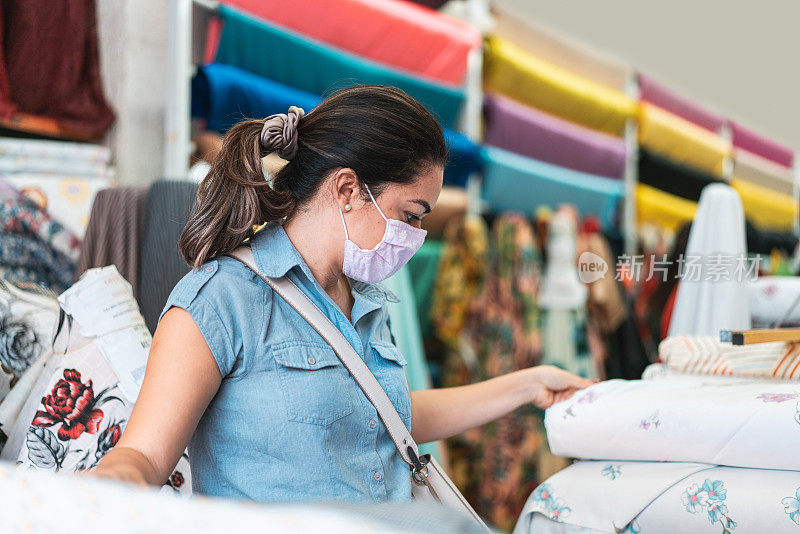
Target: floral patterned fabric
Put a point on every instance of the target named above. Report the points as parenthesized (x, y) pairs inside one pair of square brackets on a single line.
[(28, 260), (655, 498), (725, 421), (25, 218), (79, 404), (495, 466), (461, 271), (27, 318)]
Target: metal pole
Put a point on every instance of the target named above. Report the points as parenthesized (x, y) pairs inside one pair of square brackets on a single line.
[(796, 193), (179, 70), (477, 12), (631, 177)]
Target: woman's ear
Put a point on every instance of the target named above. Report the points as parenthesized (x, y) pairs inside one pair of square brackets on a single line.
[(347, 189)]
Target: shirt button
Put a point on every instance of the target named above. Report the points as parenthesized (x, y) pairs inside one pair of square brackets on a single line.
[(373, 423), (209, 268), (377, 476), (311, 360)]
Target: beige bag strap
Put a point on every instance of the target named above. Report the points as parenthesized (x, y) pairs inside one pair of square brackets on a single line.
[(298, 300)]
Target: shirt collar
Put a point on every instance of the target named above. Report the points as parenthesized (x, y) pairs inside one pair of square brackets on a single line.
[(274, 252), (275, 256)]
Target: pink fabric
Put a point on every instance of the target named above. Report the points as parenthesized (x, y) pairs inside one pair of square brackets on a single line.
[(658, 95), (395, 32), (759, 145)]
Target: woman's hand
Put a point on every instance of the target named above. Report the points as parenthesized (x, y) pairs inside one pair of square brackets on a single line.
[(552, 385)]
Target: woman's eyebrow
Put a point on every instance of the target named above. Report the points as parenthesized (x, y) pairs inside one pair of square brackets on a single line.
[(425, 205)]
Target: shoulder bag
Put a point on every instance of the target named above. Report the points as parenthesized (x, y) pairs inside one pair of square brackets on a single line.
[(428, 479)]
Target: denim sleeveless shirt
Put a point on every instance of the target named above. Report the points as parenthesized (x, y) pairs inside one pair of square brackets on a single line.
[(289, 423)]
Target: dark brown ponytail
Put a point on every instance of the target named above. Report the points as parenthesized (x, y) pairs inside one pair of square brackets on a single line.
[(380, 132)]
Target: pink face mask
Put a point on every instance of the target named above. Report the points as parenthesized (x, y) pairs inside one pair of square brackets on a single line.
[(400, 241)]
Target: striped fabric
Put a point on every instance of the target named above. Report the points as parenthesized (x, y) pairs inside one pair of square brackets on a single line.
[(161, 264), (707, 355), (115, 231)]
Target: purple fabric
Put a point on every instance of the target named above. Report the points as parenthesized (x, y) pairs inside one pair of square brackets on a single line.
[(518, 128), (757, 144), (658, 95)]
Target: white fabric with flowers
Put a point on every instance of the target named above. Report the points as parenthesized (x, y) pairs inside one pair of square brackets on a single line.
[(735, 422), (80, 400), (658, 497)]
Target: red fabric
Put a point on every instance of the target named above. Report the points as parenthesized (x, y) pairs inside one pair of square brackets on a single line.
[(213, 34), (49, 65), (394, 32)]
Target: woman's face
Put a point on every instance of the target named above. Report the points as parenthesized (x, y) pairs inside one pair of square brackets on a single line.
[(408, 203)]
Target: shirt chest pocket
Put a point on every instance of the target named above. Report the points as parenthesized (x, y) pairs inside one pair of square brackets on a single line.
[(317, 389), (391, 365)]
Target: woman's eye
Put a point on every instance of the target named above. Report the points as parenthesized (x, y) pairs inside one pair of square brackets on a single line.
[(410, 218)]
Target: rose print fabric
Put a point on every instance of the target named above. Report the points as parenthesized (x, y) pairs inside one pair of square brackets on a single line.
[(27, 319), (654, 498), (75, 412), (79, 404), (735, 422)]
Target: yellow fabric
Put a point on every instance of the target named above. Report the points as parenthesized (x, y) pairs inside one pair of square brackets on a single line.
[(765, 208), (662, 209), (681, 141), (511, 71)]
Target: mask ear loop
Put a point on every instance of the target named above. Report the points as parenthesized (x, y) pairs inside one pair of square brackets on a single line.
[(341, 214), (376, 204)]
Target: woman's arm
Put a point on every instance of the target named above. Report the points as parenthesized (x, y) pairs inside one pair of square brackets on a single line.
[(442, 413), (181, 379)]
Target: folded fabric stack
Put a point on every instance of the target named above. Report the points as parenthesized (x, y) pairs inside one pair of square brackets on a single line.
[(60, 177), (679, 454), (70, 407)]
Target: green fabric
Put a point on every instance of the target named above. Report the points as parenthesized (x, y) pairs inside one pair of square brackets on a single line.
[(405, 329), (422, 269), (291, 59)]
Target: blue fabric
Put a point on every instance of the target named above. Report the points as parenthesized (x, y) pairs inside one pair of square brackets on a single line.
[(289, 423), (518, 183), (224, 95), (292, 59)]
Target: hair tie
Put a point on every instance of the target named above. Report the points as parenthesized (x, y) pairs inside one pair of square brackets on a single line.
[(280, 132)]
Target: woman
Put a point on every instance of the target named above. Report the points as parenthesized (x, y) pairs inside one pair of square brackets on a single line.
[(268, 411)]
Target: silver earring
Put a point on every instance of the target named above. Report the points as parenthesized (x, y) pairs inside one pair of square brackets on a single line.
[(347, 207)]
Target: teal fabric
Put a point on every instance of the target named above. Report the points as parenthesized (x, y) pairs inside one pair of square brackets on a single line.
[(422, 269), (405, 330), (288, 422), (291, 59), (519, 183)]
